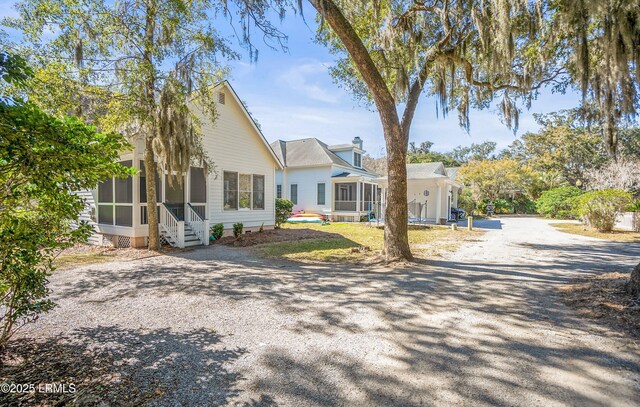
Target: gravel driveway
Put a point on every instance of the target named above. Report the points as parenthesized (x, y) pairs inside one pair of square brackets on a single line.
[(483, 326)]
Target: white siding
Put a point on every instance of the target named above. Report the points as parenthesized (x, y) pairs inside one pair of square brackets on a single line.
[(90, 198), (346, 155), (307, 180), (415, 190), (233, 145)]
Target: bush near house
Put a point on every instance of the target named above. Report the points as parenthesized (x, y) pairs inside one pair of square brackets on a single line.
[(284, 209), (599, 209), (217, 231), (558, 202), (237, 229)]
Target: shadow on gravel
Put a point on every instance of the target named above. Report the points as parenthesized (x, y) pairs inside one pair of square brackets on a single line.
[(490, 333), (117, 366)]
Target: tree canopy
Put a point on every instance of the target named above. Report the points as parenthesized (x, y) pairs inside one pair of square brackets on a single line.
[(43, 159)]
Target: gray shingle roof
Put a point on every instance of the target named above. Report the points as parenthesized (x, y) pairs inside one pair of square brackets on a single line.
[(425, 170), (307, 152), (452, 172)]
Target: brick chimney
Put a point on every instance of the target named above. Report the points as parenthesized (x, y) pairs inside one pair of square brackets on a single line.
[(357, 141)]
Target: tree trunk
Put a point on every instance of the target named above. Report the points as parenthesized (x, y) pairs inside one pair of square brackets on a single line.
[(634, 283), (396, 217), (152, 204), (396, 241), (150, 129)]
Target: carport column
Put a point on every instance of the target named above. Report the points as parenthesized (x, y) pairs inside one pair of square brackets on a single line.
[(439, 203)]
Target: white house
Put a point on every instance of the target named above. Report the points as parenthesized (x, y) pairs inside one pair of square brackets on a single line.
[(329, 180), (432, 190), (237, 187)]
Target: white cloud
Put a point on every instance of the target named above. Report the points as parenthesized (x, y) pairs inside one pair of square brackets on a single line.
[(306, 79)]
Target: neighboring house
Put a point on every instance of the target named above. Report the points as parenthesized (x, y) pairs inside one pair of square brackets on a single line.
[(431, 191), (328, 180), (237, 187)]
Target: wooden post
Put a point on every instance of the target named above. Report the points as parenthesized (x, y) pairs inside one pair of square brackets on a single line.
[(470, 222)]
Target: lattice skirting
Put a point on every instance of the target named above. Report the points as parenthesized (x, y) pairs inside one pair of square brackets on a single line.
[(116, 241)]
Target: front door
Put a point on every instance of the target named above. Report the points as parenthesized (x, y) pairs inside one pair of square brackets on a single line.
[(174, 195)]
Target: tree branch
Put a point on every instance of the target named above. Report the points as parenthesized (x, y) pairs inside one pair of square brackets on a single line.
[(358, 52)]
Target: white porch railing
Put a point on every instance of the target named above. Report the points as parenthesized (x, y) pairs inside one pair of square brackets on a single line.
[(199, 225), (170, 224)]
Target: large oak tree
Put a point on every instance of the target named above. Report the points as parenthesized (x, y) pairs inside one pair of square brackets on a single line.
[(466, 52)]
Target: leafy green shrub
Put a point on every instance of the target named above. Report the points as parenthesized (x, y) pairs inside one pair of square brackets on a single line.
[(503, 206), (522, 204), (43, 159), (217, 231), (237, 229), (284, 208), (466, 201), (558, 202), (634, 207), (599, 209)]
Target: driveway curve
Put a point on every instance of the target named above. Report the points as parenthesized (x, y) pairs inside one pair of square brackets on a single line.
[(482, 326)]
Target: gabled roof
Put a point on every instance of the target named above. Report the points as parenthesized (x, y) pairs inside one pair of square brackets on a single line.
[(425, 170), (308, 152), (452, 172), (253, 123)]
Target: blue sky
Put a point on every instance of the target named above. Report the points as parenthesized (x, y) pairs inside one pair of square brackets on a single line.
[(293, 96)]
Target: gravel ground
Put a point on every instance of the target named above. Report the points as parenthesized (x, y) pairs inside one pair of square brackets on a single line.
[(483, 326)]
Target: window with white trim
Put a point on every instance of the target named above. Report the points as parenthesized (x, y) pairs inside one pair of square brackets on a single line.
[(278, 191), (258, 191), (357, 160), (230, 190), (294, 193), (243, 191), (321, 193)]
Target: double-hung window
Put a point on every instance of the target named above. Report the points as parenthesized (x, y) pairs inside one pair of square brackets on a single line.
[(243, 191), (278, 191), (321, 193), (357, 160), (294, 193)]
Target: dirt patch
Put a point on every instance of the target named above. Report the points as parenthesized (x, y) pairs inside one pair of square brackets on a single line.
[(275, 236), (82, 376), (605, 297)]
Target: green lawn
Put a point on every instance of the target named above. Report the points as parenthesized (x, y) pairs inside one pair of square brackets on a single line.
[(580, 229), (425, 242)]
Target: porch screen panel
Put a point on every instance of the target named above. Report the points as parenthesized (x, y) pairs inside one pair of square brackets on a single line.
[(175, 189), (198, 187), (230, 191), (105, 191), (143, 185), (124, 215), (258, 192), (124, 187), (367, 197), (105, 214)]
